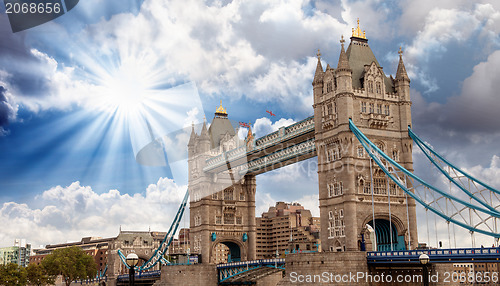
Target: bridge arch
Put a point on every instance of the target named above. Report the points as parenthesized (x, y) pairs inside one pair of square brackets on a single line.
[(382, 232), (236, 250)]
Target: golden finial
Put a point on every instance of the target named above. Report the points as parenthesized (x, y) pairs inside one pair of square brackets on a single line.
[(342, 41), (400, 52), (358, 33), (318, 54), (220, 109)]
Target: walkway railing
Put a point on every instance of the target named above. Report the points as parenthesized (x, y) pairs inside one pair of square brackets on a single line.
[(232, 269), (435, 255), (277, 137)]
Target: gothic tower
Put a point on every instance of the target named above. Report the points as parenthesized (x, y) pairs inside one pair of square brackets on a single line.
[(222, 206), (380, 106)]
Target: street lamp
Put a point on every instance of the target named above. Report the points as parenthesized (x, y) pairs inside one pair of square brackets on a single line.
[(132, 260), (424, 259)]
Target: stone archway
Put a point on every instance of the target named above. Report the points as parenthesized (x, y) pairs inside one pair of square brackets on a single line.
[(387, 241), (226, 251)]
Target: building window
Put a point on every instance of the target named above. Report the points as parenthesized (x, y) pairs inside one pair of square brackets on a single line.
[(228, 195), (336, 226), (197, 220), (379, 108), (330, 190), (379, 183), (239, 220), (361, 152), (329, 86), (218, 219), (372, 107), (379, 88), (331, 229), (242, 196), (395, 155), (339, 189), (370, 86), (363, 107), (215, 196), (228, 218), (394, 189), (386, 110), (380, 145), (330, 108), (367, 188)]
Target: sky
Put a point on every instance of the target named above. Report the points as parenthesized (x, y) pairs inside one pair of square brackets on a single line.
[(71, 120)]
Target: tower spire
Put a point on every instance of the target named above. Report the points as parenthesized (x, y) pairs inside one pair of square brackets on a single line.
[(357, 33), (401, 72), (318, 75), (343, 60), (192, 138)]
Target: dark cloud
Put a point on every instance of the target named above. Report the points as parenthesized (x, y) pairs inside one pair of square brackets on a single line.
[(5, 110), (18, 61)]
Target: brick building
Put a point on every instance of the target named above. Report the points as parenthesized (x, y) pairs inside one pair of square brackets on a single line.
[(286, 228)]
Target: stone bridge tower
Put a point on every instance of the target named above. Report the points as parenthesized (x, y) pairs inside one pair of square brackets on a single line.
[(380, 106), (222, 206)]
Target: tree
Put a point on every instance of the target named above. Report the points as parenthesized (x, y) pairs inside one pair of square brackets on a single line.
[(38, 276), (71, 262), (12, 275)]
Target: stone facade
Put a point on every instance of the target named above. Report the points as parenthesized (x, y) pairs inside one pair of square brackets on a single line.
[(222, 207), (188, 275), (142, 243), (380, 106)]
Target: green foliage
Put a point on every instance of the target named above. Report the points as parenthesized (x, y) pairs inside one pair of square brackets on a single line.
[(38, 276), (72, 263), (12, 275)]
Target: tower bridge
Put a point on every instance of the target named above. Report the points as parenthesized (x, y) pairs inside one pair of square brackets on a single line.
[(222, 168), (361, 135)]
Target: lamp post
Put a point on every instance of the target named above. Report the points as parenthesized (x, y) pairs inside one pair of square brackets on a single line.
[(424, 259), (132, 260)]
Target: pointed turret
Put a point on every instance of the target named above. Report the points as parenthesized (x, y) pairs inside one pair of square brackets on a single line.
[(192, 138), (204, 138), (343, 60), (204, 131), (249, 139), (401, 73), (318, 75)]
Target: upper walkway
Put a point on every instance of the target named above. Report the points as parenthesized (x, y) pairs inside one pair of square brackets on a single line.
[(288, 145)]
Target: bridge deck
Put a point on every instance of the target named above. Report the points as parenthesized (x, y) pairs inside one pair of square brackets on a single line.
[(436, 255)]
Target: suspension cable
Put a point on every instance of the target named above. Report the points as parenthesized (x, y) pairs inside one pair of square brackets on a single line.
[(389, 201), (373, 205), (407, 217)]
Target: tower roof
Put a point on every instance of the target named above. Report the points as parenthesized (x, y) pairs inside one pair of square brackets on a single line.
[(360, 54), (204, 132), (193, 136), (401, 73), (221, 111), (343, 60), (220, 126), (318, 75)]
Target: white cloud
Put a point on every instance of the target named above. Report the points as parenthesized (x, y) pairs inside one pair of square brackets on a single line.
[(490, 175), (310, 202), (264, 125), (70, 213), (242, 48)]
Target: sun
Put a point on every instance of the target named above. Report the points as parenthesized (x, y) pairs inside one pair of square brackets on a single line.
[(125, 90)]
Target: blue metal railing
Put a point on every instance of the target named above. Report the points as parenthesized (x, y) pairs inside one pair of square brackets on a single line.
[(453, 255)]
